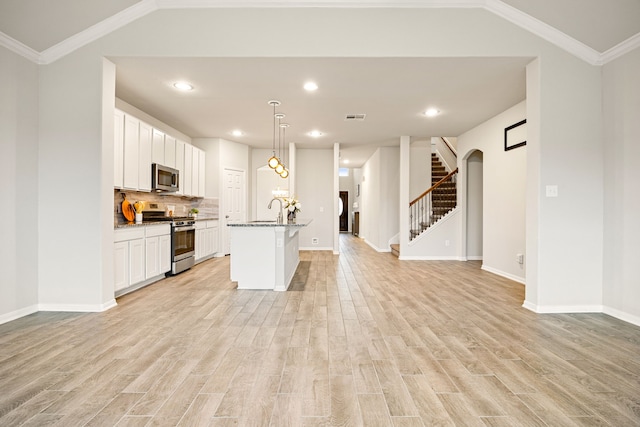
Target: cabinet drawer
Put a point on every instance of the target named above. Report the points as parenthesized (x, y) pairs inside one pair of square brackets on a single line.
[(157, 230), (131, 233)]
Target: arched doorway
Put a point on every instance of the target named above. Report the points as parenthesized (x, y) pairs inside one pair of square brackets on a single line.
[(474, 205)]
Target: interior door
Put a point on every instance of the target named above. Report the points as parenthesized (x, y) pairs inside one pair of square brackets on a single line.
[(233, 203), (344, 215)]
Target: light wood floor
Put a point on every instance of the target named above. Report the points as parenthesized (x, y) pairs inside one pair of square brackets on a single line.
[(362, 339)]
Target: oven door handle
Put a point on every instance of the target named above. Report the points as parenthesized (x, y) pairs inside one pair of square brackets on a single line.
[(182, 228)]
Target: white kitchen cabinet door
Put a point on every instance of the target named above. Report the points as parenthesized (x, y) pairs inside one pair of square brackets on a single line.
[(210, 232), (215, 238), (118, 149), (195, 167), (201, 237), (188, 166), (165, 253), (144, 163), (136, 261), (158, 147), (131, 152), (121, 265), (169, 151), (201, 173), (180, 165), (152, 257)]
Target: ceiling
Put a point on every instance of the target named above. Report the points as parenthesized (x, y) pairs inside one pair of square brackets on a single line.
[(233, 93)]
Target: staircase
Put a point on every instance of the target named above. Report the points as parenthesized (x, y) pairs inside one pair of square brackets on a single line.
[(444, 197), (436, 202)]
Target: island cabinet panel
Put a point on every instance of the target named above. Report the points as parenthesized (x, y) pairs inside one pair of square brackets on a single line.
[(264, 255)]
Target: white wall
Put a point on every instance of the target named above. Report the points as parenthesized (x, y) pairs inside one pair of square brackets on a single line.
[(314, 188), (19, 191), (381, 198), (346, 183), (474, 206), (503, 191), (261, 188), (565, 114), (420, 168), (621, 179)]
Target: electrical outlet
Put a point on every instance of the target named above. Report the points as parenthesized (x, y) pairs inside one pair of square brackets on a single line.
[(520, 258), (447, 243), (315, 241)]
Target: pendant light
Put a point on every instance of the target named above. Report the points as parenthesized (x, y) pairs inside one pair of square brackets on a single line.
[(284, 172), (273, 162)]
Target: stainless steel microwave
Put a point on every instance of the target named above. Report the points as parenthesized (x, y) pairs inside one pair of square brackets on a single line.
[(164, 178)]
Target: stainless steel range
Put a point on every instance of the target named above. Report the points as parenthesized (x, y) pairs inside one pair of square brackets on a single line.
[(183, 239)]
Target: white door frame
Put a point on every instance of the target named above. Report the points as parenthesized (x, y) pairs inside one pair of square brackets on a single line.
[(225, 215)]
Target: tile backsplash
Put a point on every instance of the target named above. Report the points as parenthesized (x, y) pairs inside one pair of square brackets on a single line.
[(208, 207)]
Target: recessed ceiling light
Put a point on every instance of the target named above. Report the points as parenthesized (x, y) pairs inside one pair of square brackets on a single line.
[(183, 86), (310, 86), (345, 161), (432, 112), (237, 133), (315, 133)]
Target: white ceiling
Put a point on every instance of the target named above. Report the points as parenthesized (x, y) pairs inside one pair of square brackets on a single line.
[(232, 93)]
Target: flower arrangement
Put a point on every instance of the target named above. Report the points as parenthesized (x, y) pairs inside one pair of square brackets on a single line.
[(292, 204)]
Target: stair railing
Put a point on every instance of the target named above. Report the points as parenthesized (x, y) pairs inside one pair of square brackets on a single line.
[(421, 209)]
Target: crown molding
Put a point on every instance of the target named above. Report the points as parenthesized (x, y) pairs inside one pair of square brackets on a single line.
[(497, 7), (21, 49), (620, 49), (98, 30), (543, 31)]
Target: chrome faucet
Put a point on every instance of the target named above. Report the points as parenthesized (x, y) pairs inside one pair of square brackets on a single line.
[(280, 219)]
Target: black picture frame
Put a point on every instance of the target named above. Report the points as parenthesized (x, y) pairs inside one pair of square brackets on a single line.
[(515, 135)]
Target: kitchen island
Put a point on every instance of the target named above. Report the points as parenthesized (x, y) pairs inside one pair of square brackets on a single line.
[(264, 254)]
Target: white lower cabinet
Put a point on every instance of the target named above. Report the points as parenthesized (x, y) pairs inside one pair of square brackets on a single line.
[(165, 253), (141, 255), (206, 239)]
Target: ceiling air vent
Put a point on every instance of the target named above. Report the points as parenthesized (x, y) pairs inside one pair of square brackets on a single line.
[(355, 117)]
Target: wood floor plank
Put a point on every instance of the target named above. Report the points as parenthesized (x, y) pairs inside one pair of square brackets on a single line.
[(361, 339)]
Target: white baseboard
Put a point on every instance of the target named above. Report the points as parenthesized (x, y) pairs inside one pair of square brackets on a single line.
[(80, 308), (551, 309), (13, 315), (316, 248), (377, 249), (474, 258), (634, 320), (427, 258), (503, 274)]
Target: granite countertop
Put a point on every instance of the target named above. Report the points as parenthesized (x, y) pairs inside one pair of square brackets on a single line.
[(298, 223), (147, 223)]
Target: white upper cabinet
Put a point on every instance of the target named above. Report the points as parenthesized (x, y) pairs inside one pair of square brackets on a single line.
[(137, 145), (188, 166), (118, 148), (131, 152), (169, 151), (195, 168), (144, 161), (180, 165), (158, 147), (201, 174)]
